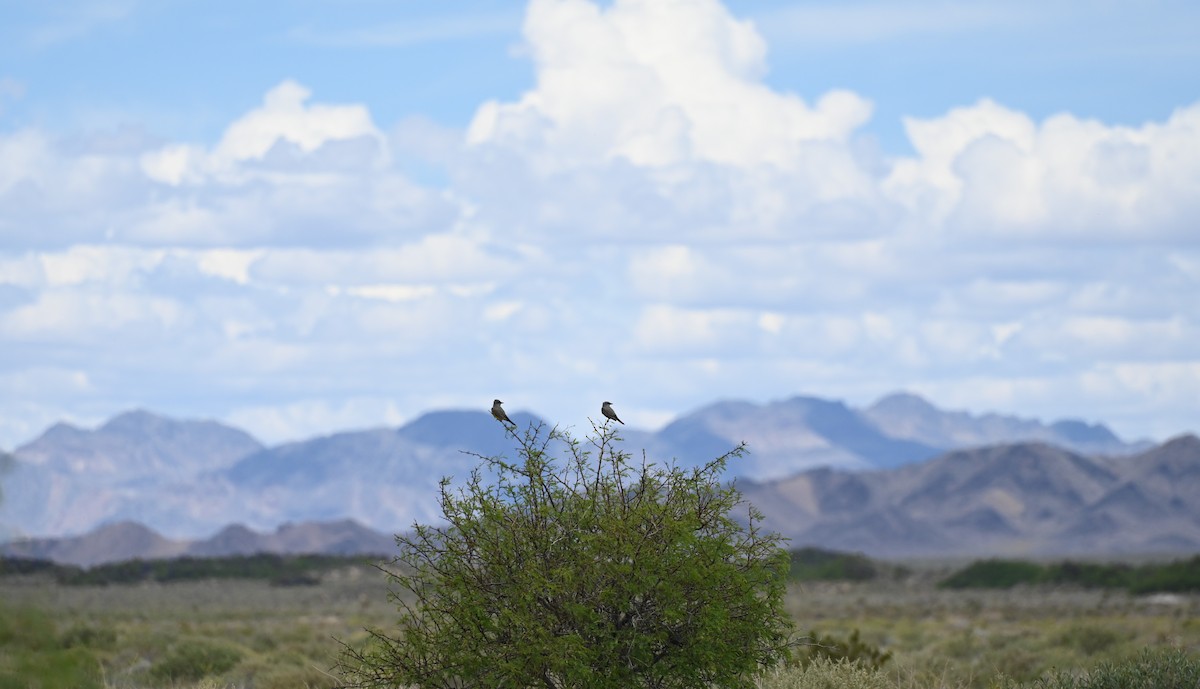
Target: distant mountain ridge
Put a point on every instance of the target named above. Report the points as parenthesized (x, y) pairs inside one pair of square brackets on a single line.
[(907, 416), (1019, 500), (69, 479), (1023, 499), (142, 442), (122, 541), (189, 478)]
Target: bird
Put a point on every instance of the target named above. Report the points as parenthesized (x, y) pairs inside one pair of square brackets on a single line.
[(608, 412), (498, 412)]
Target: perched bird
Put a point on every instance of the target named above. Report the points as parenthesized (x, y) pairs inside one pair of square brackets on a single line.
[(498, 412), (608, 412)]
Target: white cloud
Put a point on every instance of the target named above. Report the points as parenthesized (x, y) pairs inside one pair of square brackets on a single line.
[(93, 264), (285, 133), (657, 83), (174, 164), (63, 315), (441, 258), (287, 172), (663, 329), (392, 293), (796, 276), (231, 264), (67, 194), (986, 170), (285, 116)]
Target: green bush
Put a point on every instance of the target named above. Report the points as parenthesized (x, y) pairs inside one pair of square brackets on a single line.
[(816, 564), (26, 628), (195, 659), (590, 572), (73, 668), (850, 650), (1179, 576), (32, 654), (1089, 574), (308, 677), (283, 570), (1090, 639), (11, 566), (826, 673), (995, 574), (1153, 669), (88, 637)]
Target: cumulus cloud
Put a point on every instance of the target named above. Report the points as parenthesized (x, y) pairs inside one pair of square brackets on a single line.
[(988, 170), (657, 83), (283, 133), (287, 172)]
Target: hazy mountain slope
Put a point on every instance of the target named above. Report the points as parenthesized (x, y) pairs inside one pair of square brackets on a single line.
[(1153, 506), (788, 436), (1017, 499), (1024, 499), (341, 537), (386, 478), (907, 416), (122, 541), (188, 478), (108, 543), (137, 444), (70, 479)]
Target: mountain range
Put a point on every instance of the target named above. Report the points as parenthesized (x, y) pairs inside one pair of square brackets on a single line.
[(122, 541), (1019, 499), (189, 479)]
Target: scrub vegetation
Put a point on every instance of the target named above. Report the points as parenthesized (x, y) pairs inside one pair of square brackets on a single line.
[(623, 574), (187, 633), (1177, 576)]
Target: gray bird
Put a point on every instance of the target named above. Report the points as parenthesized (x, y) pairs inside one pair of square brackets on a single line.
[(498, 412), (608, 412)]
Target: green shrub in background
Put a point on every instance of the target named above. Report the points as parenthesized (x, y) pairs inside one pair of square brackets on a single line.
[(15, 566), (88, 636), (826, 673), (1088, 574), (994, 574), (1153, 669), (282, 570), (816, 564), (32, 654), (194, 659), (589, 572), (849, 650), (1090, 639), (1178, 576)]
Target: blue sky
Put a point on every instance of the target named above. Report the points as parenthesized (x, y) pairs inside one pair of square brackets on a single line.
[(306, 216)]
